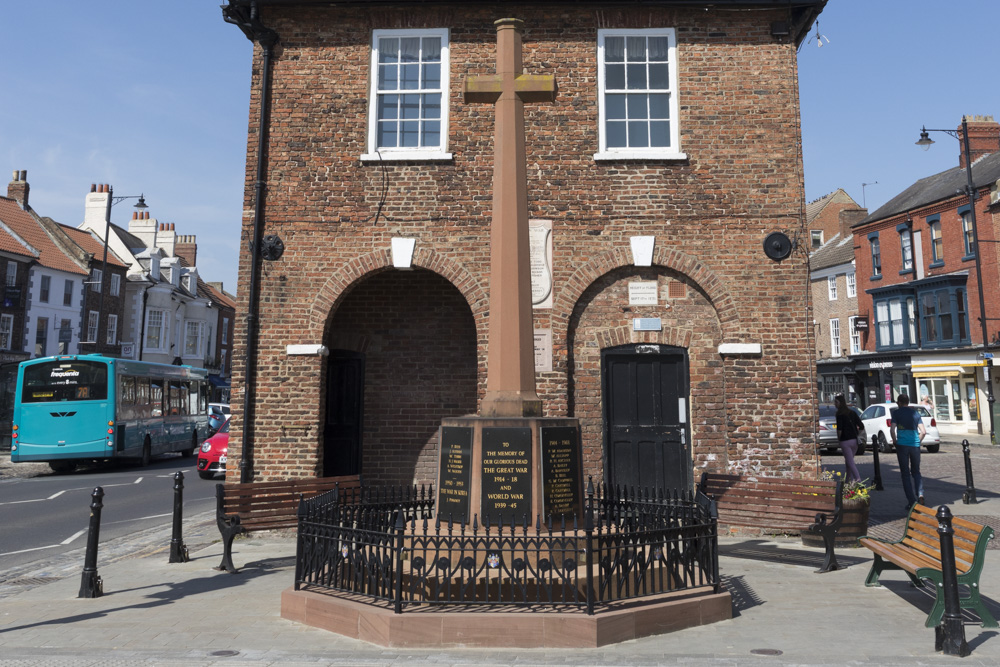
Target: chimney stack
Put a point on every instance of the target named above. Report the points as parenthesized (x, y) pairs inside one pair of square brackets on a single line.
[(18, 188), (187, 247), (97, 205), (984, 138)]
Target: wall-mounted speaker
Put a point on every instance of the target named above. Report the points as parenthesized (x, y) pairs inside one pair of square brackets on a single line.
[(777, 246)]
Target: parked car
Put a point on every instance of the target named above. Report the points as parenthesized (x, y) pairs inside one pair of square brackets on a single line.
[(878, 421), (218, 413), (827, 439), (212, 455)]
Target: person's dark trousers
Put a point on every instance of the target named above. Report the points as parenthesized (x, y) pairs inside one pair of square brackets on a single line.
[(909, 470)]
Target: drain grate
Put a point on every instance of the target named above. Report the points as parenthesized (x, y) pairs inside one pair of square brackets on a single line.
[(30, 581)]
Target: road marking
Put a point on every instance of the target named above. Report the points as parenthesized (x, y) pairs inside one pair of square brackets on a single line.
[(73, 537), (49, 546)]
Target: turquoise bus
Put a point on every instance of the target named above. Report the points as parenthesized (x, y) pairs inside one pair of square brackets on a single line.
[(82, 408)]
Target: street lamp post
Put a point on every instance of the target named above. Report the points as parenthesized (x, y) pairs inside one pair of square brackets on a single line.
[(925, 142)]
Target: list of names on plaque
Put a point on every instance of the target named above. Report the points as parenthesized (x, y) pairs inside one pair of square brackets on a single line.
[(506, 473), (454, 473), (562, 490)]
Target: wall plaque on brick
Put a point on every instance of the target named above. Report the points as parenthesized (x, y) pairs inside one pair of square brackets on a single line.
[(506, 474), (543, 350), (562, 476), (540, 254), (643, 293), (454, 473)]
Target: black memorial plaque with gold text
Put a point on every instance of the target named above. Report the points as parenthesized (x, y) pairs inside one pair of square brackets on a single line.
[(454, 473), (562, 478), (506, 479)]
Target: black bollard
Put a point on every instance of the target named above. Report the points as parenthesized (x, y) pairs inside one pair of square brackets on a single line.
[(969, 497), (178, 552), (949, 636), (91, 585), (878, 468)]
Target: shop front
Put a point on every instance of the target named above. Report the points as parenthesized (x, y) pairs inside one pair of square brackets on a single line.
[(835, 377), (883, 377), (953, 387)]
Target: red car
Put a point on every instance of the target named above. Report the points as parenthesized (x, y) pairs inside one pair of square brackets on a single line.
[(212, 455)]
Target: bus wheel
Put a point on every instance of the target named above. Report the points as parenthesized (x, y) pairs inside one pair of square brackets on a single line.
[(147, 454), (62, 466), (194, 447)]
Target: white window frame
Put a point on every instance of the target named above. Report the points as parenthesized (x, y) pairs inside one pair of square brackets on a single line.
[(225, 330), (852, 327), (92, 324), (835, 337), (816, 236), (906, 249), (672, 152), (11, 273), (197, 328), (968, 242), (96, 278), (162, 330), (831, 288), (116, 284), (882, 321), (438, 152), (6, 331), (852, 285), (112, 330)]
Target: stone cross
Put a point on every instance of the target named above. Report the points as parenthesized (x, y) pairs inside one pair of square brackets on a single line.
[(510, 373)]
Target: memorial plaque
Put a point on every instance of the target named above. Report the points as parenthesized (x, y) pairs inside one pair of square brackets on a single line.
[(454, 473), (506, 478), (562, 476), (540, 257)]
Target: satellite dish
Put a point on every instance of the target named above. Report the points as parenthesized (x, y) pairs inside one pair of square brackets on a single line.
[(777, 246), (271, 247)]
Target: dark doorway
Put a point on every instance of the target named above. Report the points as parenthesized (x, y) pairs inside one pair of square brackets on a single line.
[(345, 402), (646, 433)]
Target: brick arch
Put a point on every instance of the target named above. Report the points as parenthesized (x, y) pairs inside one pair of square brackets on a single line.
[(624, 335), (337, 285), (714, 287)]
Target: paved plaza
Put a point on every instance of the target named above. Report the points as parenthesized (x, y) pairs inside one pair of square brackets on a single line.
[(157, 613)]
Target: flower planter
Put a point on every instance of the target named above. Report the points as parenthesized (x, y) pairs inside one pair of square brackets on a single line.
[(854, 526)]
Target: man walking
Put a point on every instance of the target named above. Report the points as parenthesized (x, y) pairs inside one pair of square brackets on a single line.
[(908, 432)]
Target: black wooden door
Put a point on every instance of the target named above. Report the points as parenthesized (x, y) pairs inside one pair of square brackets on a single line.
[(646, 434), (345, 392)]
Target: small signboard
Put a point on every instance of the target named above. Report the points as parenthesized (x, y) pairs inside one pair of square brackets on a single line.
[(454, 473), (642, 293), (562, 473), (506, 474)]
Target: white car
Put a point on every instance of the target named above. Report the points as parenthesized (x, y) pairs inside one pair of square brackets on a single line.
[(877, 419)]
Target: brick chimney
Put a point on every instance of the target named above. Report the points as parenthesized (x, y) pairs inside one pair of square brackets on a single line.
[(187, 247), (984, 138), (849, 217), (18, 188)]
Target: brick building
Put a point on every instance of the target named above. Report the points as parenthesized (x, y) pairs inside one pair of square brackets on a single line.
[(669, 154), (919, 289)]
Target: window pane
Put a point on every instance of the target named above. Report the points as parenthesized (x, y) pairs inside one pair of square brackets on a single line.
[(409, 106), (614, 77), (659, 106), (614, 50), (432, 105), (388, 50), (409, 49), (659, 134), (432, 133), (432, 49), (636, 77), (614, 107), (388, 77), (432, 76), (658, 48), (388, 136), (636, 48), (659, 76), (638, 134), (409, 133), (409, 77), (387, 107), (637, 107), (615, 131)]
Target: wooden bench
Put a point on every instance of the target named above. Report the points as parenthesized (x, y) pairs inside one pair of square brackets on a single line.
[(253, 506), (780, 505), (918, 554)]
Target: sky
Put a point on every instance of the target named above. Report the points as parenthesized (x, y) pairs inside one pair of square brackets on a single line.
[(153, 98)]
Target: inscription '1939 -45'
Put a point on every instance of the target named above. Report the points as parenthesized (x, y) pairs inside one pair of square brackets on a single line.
[(506, 474)]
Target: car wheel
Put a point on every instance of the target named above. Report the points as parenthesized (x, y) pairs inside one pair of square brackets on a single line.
[(883, 445), (861, 447), (933, 449)]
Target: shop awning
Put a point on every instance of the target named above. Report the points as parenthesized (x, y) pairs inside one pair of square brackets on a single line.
[(219, 381), (937, 374)]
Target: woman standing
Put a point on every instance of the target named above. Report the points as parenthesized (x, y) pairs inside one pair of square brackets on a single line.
[(848, 427)]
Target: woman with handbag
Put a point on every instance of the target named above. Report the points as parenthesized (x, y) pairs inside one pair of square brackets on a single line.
[(848, 427)]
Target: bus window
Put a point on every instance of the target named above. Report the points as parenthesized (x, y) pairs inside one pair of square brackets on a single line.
[(178, 398), (65, 381), (193, 396), (126, 398), (155, 397)]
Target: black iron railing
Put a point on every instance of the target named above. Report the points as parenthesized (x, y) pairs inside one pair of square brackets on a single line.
[(388, 545)]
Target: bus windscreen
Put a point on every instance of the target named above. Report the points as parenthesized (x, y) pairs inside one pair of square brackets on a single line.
[(65, 381)]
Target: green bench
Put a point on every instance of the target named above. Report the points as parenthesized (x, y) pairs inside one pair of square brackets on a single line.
[(918, 554)]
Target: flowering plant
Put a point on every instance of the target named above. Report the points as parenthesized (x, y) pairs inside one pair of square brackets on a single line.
[(852, 489)]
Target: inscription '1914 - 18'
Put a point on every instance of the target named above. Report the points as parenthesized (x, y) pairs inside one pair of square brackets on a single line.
[(506, 474)]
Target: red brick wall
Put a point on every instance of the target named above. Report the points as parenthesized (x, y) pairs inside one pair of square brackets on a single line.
[(709, 213)]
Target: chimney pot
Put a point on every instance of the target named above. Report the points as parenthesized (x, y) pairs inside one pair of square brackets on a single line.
[(134, 214), (93, 187), (24, 175), (14, 178)]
